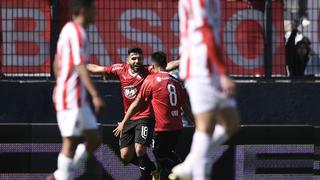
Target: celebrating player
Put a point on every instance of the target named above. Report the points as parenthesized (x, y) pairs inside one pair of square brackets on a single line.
[(209, 87), (167, 97), (74, 115), (139, 129)]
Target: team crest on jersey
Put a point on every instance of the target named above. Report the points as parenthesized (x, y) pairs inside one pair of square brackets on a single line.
[(130, 92)]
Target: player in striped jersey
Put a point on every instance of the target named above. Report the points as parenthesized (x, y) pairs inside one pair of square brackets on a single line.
[(75, 117), (210, 90)]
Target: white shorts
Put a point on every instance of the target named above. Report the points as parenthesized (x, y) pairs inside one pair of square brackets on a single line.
[(205, 96), (72, 122)]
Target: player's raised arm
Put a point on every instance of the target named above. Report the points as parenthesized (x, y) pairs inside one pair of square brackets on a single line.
[(109, 71), (95, 69), (173, 65)]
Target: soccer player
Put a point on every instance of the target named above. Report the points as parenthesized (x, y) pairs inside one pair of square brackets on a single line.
[(75, 117), (210, 89), (167, 97), (138, 132)]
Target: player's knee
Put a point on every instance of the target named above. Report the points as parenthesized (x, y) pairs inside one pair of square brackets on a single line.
[(140, 150), (126, 157)]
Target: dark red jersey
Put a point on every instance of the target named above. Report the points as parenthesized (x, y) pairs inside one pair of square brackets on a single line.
[(130, 84), (167, 98)]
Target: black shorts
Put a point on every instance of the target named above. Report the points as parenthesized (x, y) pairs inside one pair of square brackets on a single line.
[(164, 143), (137, 131)]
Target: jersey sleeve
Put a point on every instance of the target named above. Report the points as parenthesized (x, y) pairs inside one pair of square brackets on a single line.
[(113, 70), (146, 89), (78, 54), (208, 24)]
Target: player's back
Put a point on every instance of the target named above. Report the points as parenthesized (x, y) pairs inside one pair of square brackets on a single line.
[(72, 50), (200, 39), (168, 97)]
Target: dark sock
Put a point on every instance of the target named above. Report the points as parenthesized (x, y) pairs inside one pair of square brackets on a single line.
[(135, 160), (173, 159), (146, 167)]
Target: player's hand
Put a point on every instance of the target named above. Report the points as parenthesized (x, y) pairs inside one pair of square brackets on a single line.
[(98, 104), (228, 86), (118, 131)]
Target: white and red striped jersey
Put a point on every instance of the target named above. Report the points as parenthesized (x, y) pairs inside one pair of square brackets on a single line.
[(200, 38), (72, 50)]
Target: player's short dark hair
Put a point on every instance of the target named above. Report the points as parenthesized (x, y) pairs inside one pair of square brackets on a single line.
[(135, 50), (160, 58), (76, 5)]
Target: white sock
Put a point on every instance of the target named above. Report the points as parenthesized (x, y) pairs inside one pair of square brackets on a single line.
[(80, 156), (219, 136), (65, 168), (201, 150)]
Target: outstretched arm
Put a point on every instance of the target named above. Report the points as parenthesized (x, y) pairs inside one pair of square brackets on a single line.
[(95, 69), (173, 65)]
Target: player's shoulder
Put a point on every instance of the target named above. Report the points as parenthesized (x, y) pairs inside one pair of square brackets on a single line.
[(150, 77), (71, 28), (118, 67)]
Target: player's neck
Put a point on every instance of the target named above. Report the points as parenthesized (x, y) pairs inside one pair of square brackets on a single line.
[(159, 69), (133, 72), (80, 20)]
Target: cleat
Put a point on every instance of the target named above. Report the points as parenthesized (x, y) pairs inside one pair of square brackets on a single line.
[(173, 176), (180, 172)]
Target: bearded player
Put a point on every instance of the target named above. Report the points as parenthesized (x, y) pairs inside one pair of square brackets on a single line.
[(168, 98), (139, 129)]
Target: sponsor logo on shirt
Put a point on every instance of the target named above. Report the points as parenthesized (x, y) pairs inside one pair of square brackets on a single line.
[(130, 92)]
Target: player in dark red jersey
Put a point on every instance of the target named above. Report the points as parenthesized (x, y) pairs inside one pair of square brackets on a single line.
[(167, 97), (138, 131)]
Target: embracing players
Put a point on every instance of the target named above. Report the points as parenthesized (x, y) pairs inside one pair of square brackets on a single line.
[(74, 115), (138, 132), (210, 90), (168, 98)]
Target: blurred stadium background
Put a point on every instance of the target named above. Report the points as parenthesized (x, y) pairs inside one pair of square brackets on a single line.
[(280, 132)]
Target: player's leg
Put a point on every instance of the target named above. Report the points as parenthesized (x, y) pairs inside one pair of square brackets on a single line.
[(84, 150), (90, 133), (164, 151), (160, 150), (204, 98), (143, 138), (65, 170), (127, 154), (201, 146), (70, 132), (127, 151), (173, 158), (228, 124)]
